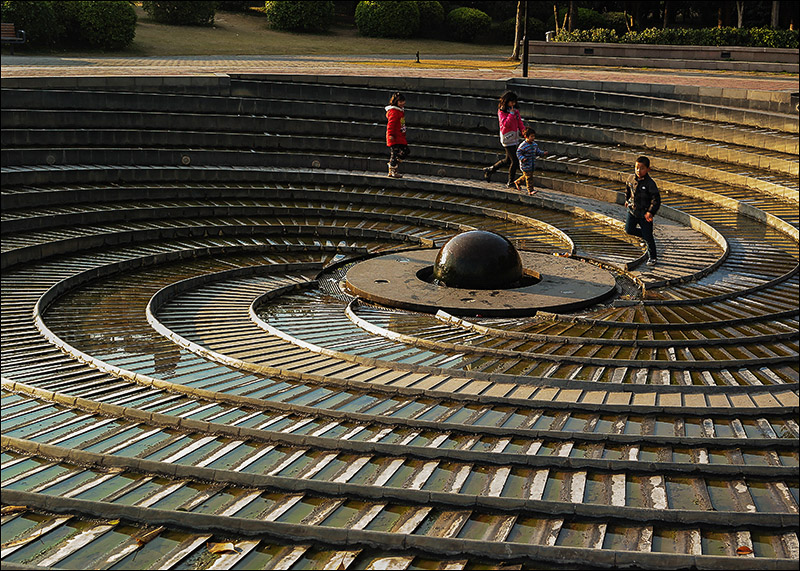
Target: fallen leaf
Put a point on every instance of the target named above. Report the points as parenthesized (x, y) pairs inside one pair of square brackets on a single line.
[(16, 542), (743, 550), (6, 510), (147, 536), (226, 547)]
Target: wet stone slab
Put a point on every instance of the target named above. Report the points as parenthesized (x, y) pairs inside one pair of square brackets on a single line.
[(564, 284)]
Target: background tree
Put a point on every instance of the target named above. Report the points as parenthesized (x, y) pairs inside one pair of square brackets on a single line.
[(518, 29), (570, 15)]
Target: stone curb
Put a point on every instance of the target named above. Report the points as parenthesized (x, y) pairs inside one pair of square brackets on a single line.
[(338, 537), (140, 415), (368, 492), (513, 334), (263, 435), (70, 245), (417, 342)]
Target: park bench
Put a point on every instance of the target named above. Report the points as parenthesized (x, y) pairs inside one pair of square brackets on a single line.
[(10, 35)]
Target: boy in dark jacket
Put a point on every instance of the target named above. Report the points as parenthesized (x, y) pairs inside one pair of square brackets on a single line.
[(527, 152), (643, 200)]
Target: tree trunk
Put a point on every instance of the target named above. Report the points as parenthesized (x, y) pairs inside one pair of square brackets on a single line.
[(667, 13), (555, 15), (739, 13), (570, 15), (517, 32), (776, 11)]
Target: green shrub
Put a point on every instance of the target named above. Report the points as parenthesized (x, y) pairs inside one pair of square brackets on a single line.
[(537, 29), (600, 35), (197, 13), (106, 25), (431, 14), (726, 37), (747, 37), (464, 24), (769, 38), (38, 19), (300, 16), (387, 19), (616, 21)]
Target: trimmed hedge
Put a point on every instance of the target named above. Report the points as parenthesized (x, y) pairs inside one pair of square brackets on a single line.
[(746, 37), (387, 19), (195, 13), (300, 16), (464, 24), (431, 14), (603, 35), (109, 25)]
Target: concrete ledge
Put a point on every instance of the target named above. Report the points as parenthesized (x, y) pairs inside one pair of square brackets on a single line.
[(338, 536)]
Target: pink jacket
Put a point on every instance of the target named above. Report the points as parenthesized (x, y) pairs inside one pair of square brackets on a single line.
[(510, 122)]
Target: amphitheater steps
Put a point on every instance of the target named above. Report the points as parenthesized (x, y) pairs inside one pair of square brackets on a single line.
[(181, 367)]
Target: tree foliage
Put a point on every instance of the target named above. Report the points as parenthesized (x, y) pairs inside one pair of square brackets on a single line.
[(300, 16), (464, 24), (105, 25), (387, 19), (196, 13)]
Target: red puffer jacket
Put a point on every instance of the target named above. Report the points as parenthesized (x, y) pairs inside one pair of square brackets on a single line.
[(395, 126)]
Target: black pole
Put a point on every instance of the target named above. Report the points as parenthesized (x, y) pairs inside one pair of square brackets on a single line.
[(525, 42)]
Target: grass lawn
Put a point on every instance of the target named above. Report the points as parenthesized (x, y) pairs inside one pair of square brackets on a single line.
[(236, 33)]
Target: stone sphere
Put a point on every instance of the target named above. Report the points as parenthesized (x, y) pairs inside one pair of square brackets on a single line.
[(478, 260)]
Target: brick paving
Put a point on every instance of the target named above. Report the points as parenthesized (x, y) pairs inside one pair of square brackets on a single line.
[(446, 66)]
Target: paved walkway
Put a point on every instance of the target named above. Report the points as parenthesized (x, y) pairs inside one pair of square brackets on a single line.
[(450, 66)]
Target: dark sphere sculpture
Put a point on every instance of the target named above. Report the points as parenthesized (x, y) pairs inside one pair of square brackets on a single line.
[(478, 260)]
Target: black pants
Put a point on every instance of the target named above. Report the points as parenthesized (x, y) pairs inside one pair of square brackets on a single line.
[(644, 231), (397, 152), (509, 160)]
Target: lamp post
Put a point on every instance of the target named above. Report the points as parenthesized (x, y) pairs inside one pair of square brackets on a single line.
[(525, 41)]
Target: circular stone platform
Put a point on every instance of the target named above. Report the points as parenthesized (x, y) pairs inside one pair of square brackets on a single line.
[(565, 284)]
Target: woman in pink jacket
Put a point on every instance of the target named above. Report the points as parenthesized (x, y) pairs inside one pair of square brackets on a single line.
[(511, 129)]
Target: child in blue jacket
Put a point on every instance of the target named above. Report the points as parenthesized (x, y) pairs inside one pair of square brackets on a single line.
[(527, 152)]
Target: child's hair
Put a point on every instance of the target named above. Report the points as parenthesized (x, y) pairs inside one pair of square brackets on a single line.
[(644, 160), (506, 98), (528, 132), (396, 96)]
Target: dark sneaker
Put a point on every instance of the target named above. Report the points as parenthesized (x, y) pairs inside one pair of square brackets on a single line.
[(652, 261), (487, 174), (510, 184)]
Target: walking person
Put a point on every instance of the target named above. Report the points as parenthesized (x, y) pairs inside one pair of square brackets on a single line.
[(527, 152), (511, 129), (396, 132), (643, 200)]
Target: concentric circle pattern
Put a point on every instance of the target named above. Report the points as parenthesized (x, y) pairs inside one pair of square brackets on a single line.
[(187, 383)]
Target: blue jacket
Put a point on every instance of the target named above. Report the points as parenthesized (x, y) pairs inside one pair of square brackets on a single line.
[(526, 153)]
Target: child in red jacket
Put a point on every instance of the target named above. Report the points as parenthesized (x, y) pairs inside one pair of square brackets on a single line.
[(396, 132)]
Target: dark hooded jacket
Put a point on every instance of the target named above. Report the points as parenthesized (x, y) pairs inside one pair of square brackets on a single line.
[(642, 196)]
